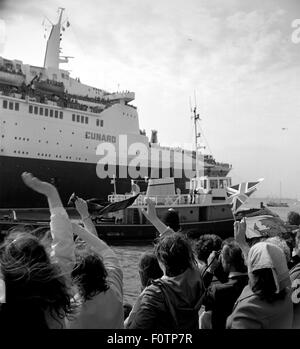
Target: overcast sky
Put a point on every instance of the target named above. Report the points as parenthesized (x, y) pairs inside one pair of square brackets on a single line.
[(237, 56)]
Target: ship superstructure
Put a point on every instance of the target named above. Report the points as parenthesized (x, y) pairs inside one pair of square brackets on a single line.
[(51, 124)]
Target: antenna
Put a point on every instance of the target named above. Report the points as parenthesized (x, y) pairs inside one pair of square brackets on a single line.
[(196, 118)]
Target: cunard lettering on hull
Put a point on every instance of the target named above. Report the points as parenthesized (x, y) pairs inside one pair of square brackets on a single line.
[(100, 137)]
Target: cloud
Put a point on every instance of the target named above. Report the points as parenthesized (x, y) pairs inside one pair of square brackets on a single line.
[(2, 34)]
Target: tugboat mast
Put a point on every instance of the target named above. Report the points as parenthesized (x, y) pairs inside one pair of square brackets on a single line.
[(196, 119)]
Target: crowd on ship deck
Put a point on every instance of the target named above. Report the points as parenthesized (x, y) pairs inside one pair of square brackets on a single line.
[(69, 278)]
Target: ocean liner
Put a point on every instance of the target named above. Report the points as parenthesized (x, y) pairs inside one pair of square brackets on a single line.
[(51, 124)]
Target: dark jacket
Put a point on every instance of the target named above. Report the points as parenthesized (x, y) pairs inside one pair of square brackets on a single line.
[(170, 303), (220, 299)]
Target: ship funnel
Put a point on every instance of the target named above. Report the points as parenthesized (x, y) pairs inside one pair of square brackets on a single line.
[(154, 137)]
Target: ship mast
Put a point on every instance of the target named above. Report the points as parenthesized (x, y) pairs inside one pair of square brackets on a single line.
[(52, 58), (196, 119)]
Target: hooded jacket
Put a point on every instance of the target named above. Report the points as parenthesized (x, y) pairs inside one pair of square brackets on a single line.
[(169, 303), (253, 312)]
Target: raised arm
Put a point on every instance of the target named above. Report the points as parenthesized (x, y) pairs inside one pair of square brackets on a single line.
[(82, 208), (151, 215), (61, 228), (240, 237)]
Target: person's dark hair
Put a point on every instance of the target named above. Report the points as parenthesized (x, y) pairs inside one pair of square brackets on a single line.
[(233, 255), (262, 283), (293, 218), (171, 219), (206, 244), (126, 309), (175, 252), (90, 275), (149, 268), (35, 287)]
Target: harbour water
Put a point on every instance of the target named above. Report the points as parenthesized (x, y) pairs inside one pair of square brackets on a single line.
[(130, 254)]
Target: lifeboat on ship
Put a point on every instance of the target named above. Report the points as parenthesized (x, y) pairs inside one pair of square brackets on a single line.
[(50, 87), (11, 78)]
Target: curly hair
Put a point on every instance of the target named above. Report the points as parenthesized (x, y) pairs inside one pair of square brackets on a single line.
[(36, 290), (206, 244), (175, 252), (89, 274)]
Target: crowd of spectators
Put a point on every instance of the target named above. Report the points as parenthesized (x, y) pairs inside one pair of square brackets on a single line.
[(71, 279)]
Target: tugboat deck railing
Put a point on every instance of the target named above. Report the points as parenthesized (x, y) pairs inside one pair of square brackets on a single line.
[(164, 200)]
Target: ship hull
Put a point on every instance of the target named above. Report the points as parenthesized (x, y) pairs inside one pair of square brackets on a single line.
[(67, 176)]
